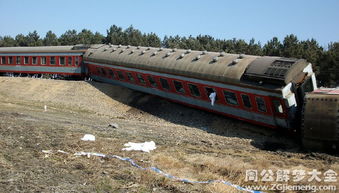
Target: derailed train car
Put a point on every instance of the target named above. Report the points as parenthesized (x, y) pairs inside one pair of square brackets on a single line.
[(320, 120), (274, 92), (250, 88), (268, 91)]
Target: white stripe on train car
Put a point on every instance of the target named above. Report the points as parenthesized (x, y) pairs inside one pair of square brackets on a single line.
[(40, 69)]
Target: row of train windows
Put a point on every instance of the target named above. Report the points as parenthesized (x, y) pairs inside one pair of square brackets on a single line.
[(43, 60), (230, 97)]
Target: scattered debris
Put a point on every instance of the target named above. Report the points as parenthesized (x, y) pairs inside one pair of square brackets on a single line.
[(60, 151), (88, 137), (47, 151), (89, 154), (145, 147), (113, 125), (159, 171)]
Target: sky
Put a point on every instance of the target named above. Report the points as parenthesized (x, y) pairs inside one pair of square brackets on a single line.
[(224, 19)]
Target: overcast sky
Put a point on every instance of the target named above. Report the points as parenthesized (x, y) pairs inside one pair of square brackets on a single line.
[(243, 19)]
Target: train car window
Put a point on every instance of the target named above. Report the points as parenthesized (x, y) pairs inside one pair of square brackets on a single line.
[(43, 60), (111, 73), (10, 60), (152, 81), (98, 70), (3, 60), (164, 83), (277, 106), (261, 104), (26, 60), (209, 91), (178, 86), (246, 100), (18, 60), (34, 60), (62, 60), (194, 90), (230, 98), (103, 71), (52, 61), (130, 77), (121, 75), (70, 60), (141, 79), (76, 61)]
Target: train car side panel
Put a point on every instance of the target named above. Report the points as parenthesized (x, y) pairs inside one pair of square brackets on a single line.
[(189, 96)]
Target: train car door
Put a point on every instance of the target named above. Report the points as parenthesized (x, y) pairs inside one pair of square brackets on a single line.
[(279, 112)]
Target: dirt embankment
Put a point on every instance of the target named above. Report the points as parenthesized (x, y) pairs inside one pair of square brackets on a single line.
[(191, 144)]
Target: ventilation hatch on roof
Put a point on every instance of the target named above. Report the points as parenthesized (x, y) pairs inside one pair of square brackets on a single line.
[(198, 57), (81, 47), (168, 54), (278, 68), (182, 56)]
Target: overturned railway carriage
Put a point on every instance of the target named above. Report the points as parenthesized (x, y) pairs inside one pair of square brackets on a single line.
[(57, 60), (260, 90), (268, 91), (320, 120)]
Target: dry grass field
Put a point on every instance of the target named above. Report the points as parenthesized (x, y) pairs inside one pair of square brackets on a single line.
[(191, 144)]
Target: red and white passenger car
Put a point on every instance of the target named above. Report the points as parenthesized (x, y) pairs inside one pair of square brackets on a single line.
[(260, 90), (60, 60)]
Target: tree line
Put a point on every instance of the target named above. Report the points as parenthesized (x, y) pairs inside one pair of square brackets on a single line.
[(325, 60)]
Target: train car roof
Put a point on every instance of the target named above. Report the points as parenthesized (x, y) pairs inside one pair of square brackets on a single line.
[(44, 49), (327, 91), (261, 71)]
